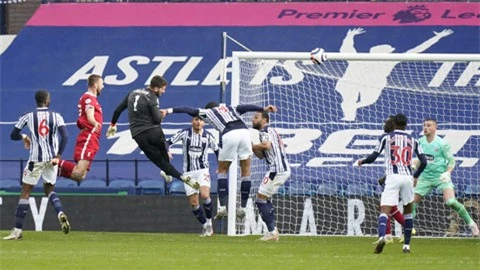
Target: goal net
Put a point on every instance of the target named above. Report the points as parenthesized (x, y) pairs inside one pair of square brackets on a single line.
[(332, 114)]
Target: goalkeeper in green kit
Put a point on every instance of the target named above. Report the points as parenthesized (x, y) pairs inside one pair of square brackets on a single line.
[(437, 174)]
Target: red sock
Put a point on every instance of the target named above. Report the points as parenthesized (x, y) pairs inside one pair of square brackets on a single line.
[(397, 215), (389, 227), (65, 168)]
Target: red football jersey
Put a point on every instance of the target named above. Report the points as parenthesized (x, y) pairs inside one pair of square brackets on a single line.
[(88, 100)]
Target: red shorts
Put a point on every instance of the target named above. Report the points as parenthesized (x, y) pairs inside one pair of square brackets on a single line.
[(86, 147)]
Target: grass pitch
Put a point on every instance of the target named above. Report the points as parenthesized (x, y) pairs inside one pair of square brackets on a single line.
[(99, 250)]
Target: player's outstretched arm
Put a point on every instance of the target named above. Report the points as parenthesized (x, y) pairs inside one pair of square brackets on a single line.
[(270, 108), (243, 108), (112, 129), (370, 159), (183, 109)]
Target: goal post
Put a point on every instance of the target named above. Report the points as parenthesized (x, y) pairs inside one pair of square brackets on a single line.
[(332, 114)]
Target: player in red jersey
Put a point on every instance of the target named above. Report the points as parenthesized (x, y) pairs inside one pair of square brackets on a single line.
[(89, 122)]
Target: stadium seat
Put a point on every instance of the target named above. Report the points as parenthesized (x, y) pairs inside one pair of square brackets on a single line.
[(299, 188), (148, 171), (9, 184), (177, 187), (65, 183), (122, 184), (121, 170), (358, 189), (93, 184), (329, 188), (151, 187)]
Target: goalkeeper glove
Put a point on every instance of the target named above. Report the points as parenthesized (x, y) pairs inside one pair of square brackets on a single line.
[(112, 129), (445, 177), (318, 56)]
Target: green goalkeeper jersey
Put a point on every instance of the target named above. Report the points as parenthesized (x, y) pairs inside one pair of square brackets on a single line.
[(439, 157)]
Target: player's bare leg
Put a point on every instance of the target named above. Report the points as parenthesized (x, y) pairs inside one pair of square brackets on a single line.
[(245, 186), (20, 213), (49, 190), (80, 170), (451, 201), (223, 167), (266, 210)]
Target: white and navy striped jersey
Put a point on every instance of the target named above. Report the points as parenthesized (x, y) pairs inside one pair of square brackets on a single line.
[(221, 116), (44, 127), (399, 147), (195, 148), (275, 157)]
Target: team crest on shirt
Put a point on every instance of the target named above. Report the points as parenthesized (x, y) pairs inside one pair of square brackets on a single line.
[(436, 149), (88, 101), (195, 151)]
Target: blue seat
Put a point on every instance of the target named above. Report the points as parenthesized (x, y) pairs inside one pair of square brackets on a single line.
[(299, 188), (97, 171), (122, 184), (177, 187), (121, 171), (329, 188), (65, 183), (9, 184), (151, 187), (358, 189), (148, 171), (93, 184)]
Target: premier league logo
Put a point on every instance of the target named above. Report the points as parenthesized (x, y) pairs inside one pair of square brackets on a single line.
[(413, 14)]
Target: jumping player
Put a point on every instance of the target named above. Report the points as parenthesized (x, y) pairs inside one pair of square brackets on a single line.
[(235, 142), (90, 119)]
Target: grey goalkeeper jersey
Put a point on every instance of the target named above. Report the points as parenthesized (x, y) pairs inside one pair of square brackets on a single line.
[(143, 111)]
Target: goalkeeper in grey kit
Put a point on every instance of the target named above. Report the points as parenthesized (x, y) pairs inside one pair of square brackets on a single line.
[(144, 117)]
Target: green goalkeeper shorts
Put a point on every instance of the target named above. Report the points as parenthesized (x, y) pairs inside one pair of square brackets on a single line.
[(424, 187)]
